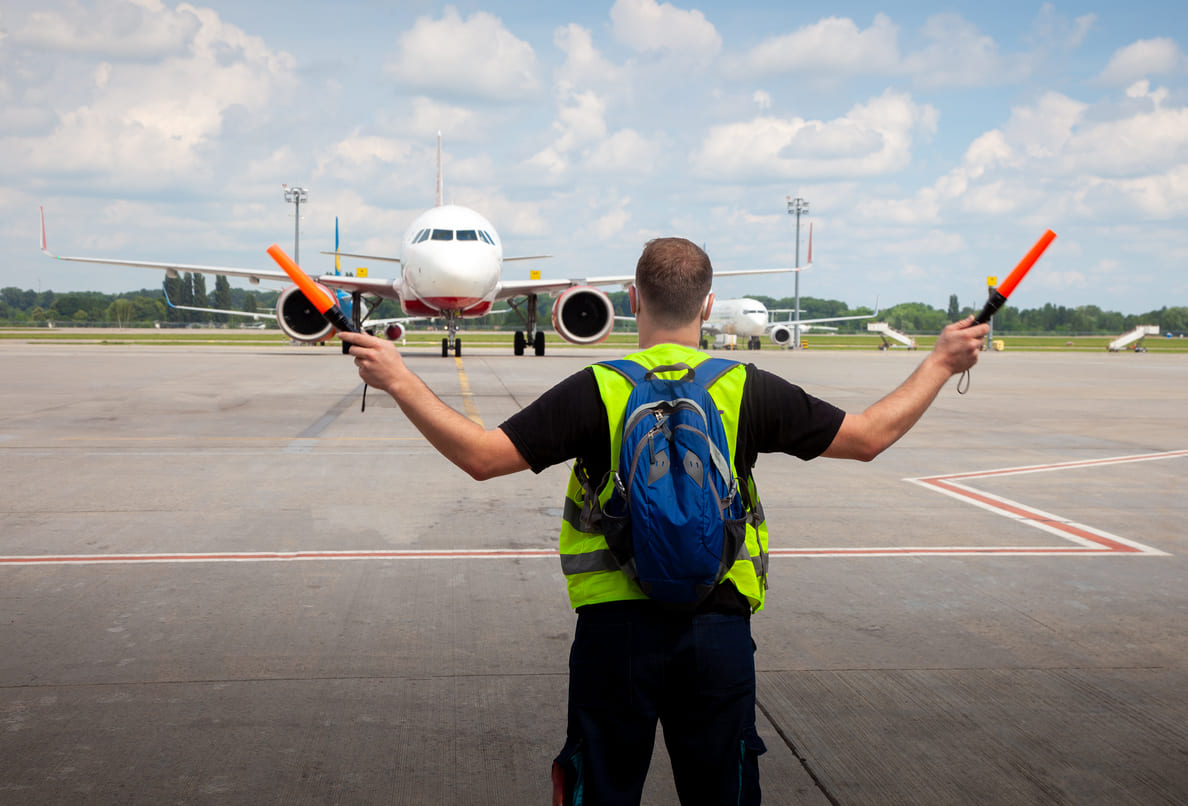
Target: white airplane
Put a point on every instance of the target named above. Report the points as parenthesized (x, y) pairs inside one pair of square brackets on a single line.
[(450, 258), (746, 318)]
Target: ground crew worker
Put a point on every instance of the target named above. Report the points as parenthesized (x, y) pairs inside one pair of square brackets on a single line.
[(634, 663)]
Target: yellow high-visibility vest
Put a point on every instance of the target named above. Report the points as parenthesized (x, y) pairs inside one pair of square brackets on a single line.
[(591, 573)]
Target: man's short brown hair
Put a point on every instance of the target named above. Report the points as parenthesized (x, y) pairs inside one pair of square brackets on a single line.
[(673, 276)]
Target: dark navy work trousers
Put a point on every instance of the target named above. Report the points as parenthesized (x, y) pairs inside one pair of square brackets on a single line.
[(633, 664)]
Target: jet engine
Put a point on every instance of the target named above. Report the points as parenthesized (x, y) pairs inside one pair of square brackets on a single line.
[(583, 315), (394, 331), (781, 335), (299, 319)]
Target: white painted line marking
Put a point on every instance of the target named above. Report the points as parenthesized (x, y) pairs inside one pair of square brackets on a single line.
[(1090, 540), (1081, 540)]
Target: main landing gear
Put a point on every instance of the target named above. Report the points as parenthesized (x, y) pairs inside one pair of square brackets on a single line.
[(529, 335), (520, 342)]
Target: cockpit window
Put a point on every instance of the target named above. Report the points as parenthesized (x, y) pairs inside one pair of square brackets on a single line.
[(486, 237), (443, 235), (467, 235), (422, 235)]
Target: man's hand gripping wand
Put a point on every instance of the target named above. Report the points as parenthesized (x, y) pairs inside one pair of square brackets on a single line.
[(1003, 292), (325, 303)]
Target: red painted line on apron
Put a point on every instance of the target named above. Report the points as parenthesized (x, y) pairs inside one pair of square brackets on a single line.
[(268, 556), (1028, 514), (1036, 518)]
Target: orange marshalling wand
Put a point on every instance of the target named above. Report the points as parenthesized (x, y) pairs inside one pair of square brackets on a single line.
[(999, 298), (317, 296)]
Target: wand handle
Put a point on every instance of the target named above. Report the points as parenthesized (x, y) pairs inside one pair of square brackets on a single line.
[(996, 301)]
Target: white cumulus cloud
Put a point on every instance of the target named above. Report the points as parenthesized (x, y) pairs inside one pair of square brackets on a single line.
[(832, 45), (472, 57), (1141, 59), (650, 27), (873, 138), (148, 122)]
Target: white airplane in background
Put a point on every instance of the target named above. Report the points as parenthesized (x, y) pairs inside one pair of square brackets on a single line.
[(450, 258), (746, 318)]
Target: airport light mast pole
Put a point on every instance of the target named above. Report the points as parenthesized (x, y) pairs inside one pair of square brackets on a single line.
[(296, 195), (797, 207)]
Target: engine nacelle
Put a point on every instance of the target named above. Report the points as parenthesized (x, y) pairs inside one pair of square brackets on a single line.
[(299, 319), (781, 335), (394, 331), (583, 315)]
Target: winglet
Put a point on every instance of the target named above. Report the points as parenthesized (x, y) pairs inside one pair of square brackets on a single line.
[(165, 291)]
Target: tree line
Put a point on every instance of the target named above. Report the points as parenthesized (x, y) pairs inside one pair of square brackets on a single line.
[(147, 307), (142, 308)]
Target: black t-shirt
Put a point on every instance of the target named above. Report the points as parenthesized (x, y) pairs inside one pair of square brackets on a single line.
[(569, 422)]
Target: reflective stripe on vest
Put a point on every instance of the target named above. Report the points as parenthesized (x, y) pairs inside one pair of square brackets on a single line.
[(591, 571)]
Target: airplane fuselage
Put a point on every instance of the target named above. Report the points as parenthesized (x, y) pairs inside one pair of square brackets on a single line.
[(451, 258), (743, 317)]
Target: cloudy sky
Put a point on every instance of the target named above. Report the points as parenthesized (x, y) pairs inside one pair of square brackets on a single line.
[(934, 145)]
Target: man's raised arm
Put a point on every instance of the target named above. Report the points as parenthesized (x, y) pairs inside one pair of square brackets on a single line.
[(864, 436), (480, 452)]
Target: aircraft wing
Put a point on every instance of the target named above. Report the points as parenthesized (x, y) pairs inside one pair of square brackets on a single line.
[(378, 286), (819, 321), (519, 288), (360, 256), (254, 315), (387, 259)]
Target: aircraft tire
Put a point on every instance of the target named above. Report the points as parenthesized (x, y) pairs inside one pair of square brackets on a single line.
[(518, 343), (538, 343), (457, 348), (445, 347)]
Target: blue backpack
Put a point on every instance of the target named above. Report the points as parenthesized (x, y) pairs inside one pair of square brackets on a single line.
[(675, 521)]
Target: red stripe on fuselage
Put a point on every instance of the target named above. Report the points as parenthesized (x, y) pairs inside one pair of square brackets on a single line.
[(433, 306)]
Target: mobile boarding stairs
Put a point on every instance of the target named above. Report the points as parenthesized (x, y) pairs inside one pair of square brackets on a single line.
[(886, 333), (1134, 337)]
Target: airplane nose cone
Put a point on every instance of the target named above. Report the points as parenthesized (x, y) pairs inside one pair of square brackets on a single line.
[(464, 279)]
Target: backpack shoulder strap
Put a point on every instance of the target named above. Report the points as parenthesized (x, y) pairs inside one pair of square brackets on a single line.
[(629, 369), (704, 374), (710, 370)]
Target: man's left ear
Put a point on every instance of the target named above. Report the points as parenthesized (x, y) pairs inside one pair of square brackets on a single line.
[(633, 299), (708, 306)]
